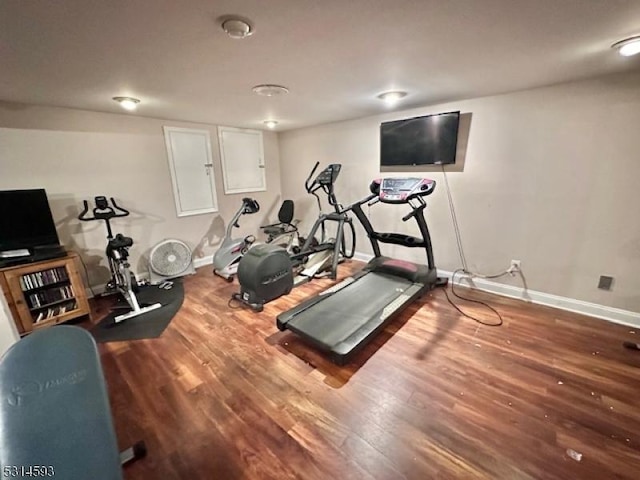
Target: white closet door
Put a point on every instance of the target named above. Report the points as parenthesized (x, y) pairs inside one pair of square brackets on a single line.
[(191, 164), (242, 155)]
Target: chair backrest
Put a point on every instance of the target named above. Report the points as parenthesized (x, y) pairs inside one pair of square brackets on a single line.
[(285, 214), (54, 408)]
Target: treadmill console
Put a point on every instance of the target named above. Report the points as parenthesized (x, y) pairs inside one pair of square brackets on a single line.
[(401, 190)]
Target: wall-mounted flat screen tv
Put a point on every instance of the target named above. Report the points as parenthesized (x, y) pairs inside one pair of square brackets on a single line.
[(426, 140)]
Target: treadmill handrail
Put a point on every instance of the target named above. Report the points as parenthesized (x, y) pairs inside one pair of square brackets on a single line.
[(417, 212), (361, 202)]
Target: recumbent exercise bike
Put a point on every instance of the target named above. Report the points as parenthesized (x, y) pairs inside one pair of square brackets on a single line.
[(122, 279), (227, 257)]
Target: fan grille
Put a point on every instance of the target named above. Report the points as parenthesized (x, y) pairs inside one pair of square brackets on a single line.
[(170, 258)]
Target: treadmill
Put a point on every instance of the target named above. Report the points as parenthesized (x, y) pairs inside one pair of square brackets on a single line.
[(341, 320)]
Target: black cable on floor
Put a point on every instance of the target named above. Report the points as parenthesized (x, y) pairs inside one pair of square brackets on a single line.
[(239, 303), (453, 283)]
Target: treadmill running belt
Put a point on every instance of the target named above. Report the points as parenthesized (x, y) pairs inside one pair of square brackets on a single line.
[(340, 315)]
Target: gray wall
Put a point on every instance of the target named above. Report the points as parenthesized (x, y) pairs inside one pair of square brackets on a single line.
[(547, 176)]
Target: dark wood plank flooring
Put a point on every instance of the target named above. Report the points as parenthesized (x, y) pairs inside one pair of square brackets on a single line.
[(223, 394)]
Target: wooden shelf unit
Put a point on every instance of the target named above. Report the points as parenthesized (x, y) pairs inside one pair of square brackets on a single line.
[(45, 293)]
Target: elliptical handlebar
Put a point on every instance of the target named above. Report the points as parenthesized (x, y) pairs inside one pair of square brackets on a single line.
[(102, 210), (307, 185), (324, 181)]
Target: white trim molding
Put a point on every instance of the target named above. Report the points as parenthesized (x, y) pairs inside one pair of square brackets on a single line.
[(202, 262), (362, 257)]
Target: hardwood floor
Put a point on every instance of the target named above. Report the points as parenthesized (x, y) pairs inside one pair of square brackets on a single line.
[(223, 394)]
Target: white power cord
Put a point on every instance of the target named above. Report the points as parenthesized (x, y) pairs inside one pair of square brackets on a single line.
[(465, 270), (452, 209), (512, 270)]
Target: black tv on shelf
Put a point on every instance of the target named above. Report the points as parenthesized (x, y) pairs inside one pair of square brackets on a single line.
[(27, 230), (426, 140)]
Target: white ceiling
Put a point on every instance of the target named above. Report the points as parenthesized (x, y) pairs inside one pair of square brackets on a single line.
[(335, 56)]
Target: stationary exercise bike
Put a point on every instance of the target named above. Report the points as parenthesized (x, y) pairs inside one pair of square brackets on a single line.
[(122, 279), (226, 259)]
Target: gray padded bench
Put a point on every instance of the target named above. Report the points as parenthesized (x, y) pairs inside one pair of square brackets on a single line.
[(55, 419)]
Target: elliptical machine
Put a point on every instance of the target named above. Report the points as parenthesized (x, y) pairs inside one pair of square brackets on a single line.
[(122, 278), (268, 272), (226, 259), (321, 258)]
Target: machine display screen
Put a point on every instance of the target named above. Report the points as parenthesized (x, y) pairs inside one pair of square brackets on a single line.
[(402, 190), (395, 185)]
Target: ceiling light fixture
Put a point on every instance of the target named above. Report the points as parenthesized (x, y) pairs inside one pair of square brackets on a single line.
[(270, 123), (237, 27), (128, 103), (391, 98), (628, 46), (267, 90)]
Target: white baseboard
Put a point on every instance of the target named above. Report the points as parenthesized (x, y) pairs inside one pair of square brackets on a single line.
[(363, 257), (197, 263), (611, 314), (204, 261)]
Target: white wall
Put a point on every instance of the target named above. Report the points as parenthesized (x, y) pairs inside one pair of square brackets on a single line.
[(549, 176), (8, 331), (77, 155)]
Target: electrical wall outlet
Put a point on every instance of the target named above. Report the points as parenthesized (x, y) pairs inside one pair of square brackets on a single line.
[(515, 266)]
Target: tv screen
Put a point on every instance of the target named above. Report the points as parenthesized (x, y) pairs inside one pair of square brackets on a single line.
[(26, 220), (427, 140)]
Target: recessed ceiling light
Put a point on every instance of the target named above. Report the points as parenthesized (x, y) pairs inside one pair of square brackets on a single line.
[(628, 46), (270, 90), (237, 27), (271, 123), (128, 103), (391, 98)]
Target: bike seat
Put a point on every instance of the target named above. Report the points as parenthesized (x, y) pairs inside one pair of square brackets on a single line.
[(120, 241), (285, 217)]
